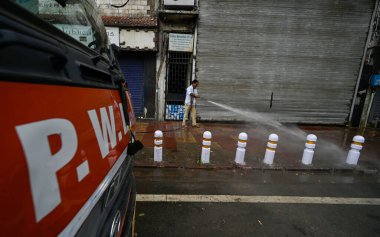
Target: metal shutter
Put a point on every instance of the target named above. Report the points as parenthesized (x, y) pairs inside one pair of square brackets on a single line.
[(307, 53), (133, 70)]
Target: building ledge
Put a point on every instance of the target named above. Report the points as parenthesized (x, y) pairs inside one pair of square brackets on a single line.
[(176, 16), (137, 49), (127, 21), (179, 12)]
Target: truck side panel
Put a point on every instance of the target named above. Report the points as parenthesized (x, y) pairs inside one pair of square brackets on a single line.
[(61, 147)]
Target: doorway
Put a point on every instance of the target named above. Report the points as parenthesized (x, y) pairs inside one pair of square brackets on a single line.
[(179, 71)]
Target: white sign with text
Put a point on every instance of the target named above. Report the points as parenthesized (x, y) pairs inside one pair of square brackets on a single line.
[(113, 35), (180, 42)]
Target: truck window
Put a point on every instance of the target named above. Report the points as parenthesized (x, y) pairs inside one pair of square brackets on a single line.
[(75, 18)]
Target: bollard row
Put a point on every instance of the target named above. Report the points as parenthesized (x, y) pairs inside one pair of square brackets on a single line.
[(307, 156)]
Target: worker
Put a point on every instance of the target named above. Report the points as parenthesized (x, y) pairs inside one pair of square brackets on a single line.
[(190, 100)]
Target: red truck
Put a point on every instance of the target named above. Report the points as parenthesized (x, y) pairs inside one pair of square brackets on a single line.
[(65, 126)]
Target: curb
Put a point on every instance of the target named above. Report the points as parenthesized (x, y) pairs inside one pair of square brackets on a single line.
[(344, 170)]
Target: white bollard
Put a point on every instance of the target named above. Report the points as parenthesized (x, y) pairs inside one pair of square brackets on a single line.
[(308, 153), (271, 149), (206, 147), (158, 146), (240, 151), (354, 153)]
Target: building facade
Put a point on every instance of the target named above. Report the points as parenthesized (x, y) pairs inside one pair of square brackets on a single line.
[(157, 43), (178, 34), (294, 61), (132, 25)]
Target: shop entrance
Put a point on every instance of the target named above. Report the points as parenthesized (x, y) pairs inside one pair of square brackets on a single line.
[(179, 71)]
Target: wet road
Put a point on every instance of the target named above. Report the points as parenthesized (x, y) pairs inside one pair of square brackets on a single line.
[(215, 218), (182, 146)]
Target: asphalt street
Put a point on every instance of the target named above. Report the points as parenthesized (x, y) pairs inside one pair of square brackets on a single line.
[(218, 216)]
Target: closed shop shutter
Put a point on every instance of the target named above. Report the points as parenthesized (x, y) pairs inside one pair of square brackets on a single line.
[(133, 70), (307, 53)]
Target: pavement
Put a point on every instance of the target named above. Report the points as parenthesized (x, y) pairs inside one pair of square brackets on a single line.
[(182, 147), (349, 215)]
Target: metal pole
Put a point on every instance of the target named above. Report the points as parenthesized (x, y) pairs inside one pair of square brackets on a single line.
[(363, 60), (162, 60)]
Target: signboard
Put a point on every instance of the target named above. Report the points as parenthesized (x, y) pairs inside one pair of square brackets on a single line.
[(181, 42), (140, 40), (81, 33), (186, 3), (113, 35), (174, 112), (53, 7), (375, 80)]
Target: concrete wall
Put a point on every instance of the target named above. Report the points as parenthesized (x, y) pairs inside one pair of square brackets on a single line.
[(134, 8)]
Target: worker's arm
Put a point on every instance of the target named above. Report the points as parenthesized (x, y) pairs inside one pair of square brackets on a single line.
[(195, 95)]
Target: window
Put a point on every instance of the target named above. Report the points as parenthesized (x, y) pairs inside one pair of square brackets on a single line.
[(78, 19)]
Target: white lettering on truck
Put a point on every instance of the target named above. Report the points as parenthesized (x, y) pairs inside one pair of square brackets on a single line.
[(106, 131), (42, 164)]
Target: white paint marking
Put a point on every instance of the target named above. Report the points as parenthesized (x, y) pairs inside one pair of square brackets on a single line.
[(120, 136), (257, 199), (83, 170)]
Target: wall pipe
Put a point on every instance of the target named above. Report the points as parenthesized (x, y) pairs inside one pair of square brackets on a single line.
[(363, 59)]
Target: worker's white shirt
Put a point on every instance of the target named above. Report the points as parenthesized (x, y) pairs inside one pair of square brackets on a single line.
[(190, 90)]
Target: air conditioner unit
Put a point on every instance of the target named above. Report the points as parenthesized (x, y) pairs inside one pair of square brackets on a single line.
[(179, 3)]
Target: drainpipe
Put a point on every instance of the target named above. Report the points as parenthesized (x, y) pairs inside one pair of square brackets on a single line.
[(369, 37), (195, 50), (367, 107), (160, 81)]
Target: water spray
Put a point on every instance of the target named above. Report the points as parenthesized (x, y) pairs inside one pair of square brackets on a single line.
[(250, 115), (294, 133)]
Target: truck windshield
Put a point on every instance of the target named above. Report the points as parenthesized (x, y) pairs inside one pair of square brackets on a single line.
[(77, 18)]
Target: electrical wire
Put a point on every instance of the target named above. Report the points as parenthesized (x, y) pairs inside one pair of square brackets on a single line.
[(120, 6)]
